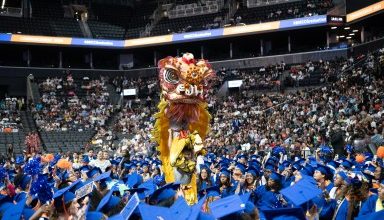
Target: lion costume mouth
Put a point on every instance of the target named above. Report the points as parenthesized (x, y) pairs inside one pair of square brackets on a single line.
[(184, 79)]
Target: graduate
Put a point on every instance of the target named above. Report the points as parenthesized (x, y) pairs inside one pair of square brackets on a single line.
[(204, 179), (268, 196)]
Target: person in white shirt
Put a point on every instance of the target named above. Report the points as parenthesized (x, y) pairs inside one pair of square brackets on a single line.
[(102, 161)]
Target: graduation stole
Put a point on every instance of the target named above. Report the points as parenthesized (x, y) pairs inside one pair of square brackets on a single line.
[(379, 205)]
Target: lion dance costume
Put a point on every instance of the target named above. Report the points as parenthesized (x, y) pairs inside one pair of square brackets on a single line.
[(182, 122)]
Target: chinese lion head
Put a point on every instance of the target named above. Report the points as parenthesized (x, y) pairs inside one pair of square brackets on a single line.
[(184, 79)]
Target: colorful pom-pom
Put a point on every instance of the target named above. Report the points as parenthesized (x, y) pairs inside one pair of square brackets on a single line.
[(64, 164), (380, 152), (360, 158), (33, 166), (41, 187), (47, 158)]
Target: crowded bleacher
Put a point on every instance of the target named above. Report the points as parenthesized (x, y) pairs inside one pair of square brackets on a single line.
[(246, 135), (261, 148), (124, 20)]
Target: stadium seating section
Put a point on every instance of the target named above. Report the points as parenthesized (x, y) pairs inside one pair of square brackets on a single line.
[(108, 21)]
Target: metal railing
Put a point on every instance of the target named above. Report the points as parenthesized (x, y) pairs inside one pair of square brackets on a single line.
[(13, 12), (260, 3), (202, 10), (144, 72), (209, 7), (156, 16), (232, 8)]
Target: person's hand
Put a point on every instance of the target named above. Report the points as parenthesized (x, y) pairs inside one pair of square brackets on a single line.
[(85, 201), (179, 193)]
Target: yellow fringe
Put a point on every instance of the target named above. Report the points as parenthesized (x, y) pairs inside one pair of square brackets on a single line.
[(160, 135)]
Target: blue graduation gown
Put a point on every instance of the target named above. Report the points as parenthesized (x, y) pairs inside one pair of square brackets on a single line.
[(228, 191), (20, 196), (327, 208), (205, 184), (369, 205), (287, 182), (266, 199), (329, 187), (342, 212)]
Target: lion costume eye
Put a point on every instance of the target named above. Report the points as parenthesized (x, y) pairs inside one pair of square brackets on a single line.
[(170, 76)]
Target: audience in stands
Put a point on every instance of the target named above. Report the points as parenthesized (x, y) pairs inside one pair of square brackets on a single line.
[(70, 105), (10, 120), (260, 143)]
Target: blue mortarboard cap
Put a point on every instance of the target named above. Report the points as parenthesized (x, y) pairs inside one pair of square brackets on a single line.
[(114, 162), (130, 165), (64, 175), (254, 157), (343, 175), (78, 184), (307, 170), (64, 193), (347, 164), (273, 160), (323, 169), (95, 215), (108, 201), (301, 192), (372, 216), (296, 165), (204, 167), (225, 172), (226, 206), (14, 211), (253, 171), (196, 209), (249, 206), (93, 172), (103, 176), (276, 177), (180, 209), (149, 187), (140, 192), (134, 180), (269, 166), (84, 168), (241, 167), (128, 210), (85, 159), (205, 216), (149, 212), (284, 214), (333, 164), (165, 192), (370, 168), (145, 164), (242, 156)]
